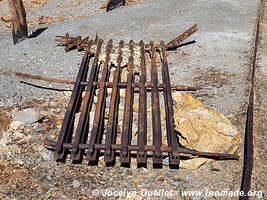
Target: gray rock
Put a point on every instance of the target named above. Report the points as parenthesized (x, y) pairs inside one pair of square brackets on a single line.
[(5, 139), (18, 161), (168, 174), (49, 178), (46, 154), (26, 116), (63, 197), (76, 184), (151, 179), (197, 198), (166, 161)]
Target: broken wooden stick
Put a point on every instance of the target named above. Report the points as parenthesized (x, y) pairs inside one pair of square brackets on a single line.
[(19, 24)]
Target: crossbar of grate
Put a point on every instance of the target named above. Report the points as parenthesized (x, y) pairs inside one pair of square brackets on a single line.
[(83, 140)]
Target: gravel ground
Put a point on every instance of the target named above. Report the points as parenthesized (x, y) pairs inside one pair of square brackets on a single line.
[(221, 44), (220, 58)]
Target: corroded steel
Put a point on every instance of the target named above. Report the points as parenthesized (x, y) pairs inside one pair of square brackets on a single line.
[(102, 133)]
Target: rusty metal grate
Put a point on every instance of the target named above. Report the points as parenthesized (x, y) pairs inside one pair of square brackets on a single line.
[(147, 81)]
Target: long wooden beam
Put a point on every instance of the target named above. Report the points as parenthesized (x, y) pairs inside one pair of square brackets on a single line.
[(19, 23)]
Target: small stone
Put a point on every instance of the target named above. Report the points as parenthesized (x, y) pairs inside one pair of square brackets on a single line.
[(35, 125), (17, 135), (67, 93), (166, 162), (18, 161), (5, 138), (168, 174), (197, 198), (151, 179), (76, 119), (63, 197), (39, 128), (6, 18), (135, 128), (108, 99), (15, 149), (26, 116), (102, 182), (160, 178), (4, 121), (76, 184), (134, 141), (177, 179), (46, 154), (15, 125), (143, 170), (27, 130), (175, 185)]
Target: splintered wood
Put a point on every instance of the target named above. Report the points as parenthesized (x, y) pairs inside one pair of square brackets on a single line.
[(19, 24)]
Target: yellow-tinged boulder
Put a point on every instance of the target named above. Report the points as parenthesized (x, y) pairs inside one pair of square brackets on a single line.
[(202, 128)]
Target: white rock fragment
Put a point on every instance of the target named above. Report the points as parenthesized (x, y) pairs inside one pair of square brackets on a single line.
[(76, 184), (166, 162), (26, 116), (5, 138), (18, 161), (15, 125), (46, 154)]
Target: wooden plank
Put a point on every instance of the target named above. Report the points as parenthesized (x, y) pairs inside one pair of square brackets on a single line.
[(19, 23)]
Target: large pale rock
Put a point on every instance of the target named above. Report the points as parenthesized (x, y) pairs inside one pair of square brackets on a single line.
[(26, 116), (202, 129)]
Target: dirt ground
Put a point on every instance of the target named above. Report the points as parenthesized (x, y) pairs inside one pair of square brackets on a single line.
[(260, 113)]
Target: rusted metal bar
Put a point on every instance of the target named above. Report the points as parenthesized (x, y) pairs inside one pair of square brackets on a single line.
[(174, 43), (90, 141), (156, 119), (71, 43), (83, 123), (100, 109), (249, 131), (128, 109), (74, 104), (107, 84), (142, 112), (76, 42), (171, 135), (113, 111), (79, 44), (118, 147), (149, 85), (178, 40)]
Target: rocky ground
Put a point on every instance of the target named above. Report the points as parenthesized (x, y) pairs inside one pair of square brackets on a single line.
[(220, 59), (45, 12), (260, 112), (28, 169)]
